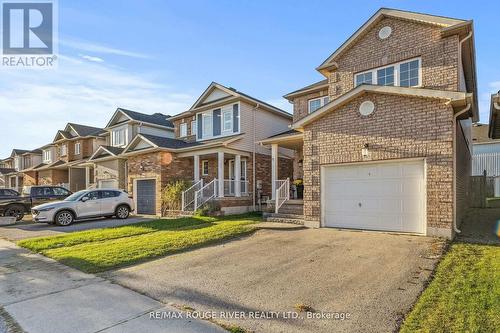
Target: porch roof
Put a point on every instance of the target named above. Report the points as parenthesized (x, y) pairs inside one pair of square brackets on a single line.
[(106, 152), (4, 171), (291, 139)]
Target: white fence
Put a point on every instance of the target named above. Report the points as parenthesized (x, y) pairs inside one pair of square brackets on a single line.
[(489, 162)]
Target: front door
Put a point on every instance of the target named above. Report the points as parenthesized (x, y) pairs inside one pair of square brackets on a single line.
[(243, 179), (89, 205), (146, 196)]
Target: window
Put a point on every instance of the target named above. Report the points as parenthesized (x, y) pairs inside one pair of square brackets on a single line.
[(26, 162), (385, 76), (16, 163), (403, 74), (42, 192), (364, 78), (60, 191), (119, 137), (315, 104), (207, 125), (204, 168), (183, 130), (94, 195), (77, 148), (47, 156), (63, 150), (227, 121), (109, 194), (409, 73), (194, 128)]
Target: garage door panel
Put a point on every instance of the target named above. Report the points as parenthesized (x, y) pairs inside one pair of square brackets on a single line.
[(384, 196), (146, 196)]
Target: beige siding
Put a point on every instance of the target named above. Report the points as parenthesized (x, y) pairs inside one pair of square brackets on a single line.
[(113, 169), (266, 124), (463, 173), (154, 131)]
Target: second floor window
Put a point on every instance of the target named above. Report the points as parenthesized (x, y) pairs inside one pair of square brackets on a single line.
[(193, 127), (317, 103), (227, 121), (403, 74), (218, 122), (119, 137), (47, 156), (77, 148), (63, 150), (17, 163), (183, 130), (26, 162)]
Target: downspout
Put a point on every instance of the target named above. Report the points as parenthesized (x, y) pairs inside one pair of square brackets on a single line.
[(467, 108), (254, 185)]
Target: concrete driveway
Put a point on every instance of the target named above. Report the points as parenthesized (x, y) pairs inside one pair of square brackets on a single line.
[(28, 229), (375, 277)]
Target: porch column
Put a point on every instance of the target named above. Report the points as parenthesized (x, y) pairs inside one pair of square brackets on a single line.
[(196, 168), (17, 183), (220, 172), (87, 177), (237, 175), (274, 169)]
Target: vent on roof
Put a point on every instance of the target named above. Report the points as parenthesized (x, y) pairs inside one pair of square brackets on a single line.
[(159, 114)]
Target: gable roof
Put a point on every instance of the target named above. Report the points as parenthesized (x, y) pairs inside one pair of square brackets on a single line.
[(231, 94), (445, 22), (163, 142), (18, 152), (310, 88), (155, 119), (109, 151), (453, 97), (84, 130)]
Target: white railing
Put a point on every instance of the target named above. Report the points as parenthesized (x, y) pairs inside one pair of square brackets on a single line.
[(230, 187), (282, 193), (189, 194), (206, 193), (488, 161)]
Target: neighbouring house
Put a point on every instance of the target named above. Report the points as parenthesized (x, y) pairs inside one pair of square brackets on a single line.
[(17, 170), (214, 146), (384, 141), (486, 152), (63, 160), (110, 166)]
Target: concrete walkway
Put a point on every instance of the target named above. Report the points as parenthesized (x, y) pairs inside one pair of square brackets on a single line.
[(42, 295)]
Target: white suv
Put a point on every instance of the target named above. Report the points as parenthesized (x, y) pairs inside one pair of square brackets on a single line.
[(83, 205)]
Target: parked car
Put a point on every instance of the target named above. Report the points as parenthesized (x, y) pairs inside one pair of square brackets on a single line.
[(83, 205), (32, 196), (7, 193)]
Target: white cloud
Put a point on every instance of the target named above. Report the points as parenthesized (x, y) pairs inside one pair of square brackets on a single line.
[(91, 58), (97, 48), (35, 104)]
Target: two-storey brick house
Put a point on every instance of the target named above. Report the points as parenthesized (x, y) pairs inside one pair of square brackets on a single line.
[(384, 141), (214, 145), (64, 159)]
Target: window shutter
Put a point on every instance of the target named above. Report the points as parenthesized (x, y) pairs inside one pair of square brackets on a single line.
[(199, 127), (236, 118), (216, 122)]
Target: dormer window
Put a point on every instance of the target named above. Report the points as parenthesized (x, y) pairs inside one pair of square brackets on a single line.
[(317, 103), (402, 74)]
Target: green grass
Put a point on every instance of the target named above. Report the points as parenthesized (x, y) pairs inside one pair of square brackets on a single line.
[(464, 295), (99, 250)]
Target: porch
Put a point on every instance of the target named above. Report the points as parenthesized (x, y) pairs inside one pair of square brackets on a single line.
[(221, 175)]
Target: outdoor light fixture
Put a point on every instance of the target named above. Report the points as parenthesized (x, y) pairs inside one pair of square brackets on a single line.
[(364, 151)]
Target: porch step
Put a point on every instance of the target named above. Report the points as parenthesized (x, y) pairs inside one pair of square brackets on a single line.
[(285, 218), (292, 208)]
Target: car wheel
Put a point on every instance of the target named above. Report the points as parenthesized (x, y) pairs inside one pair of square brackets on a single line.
[(15, 210), (122, 212), (64, 218)]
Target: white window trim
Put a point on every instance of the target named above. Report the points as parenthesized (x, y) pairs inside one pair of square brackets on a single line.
[(194, 127), (183, 128), (223, 121), (396, 72), (223, 133), (47, 155), (203, 162), (321, 103), (78, 148), (114, 134), (64, 150)]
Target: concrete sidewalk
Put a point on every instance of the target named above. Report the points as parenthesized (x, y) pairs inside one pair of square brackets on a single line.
[(42, 295)]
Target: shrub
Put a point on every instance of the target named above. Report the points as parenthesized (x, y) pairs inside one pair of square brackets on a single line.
[(171, 195), (208, 209)]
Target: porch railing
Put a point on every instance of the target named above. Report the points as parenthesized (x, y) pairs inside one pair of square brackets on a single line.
[(188, 195), (282, 193), (206, 193), (230, 187)]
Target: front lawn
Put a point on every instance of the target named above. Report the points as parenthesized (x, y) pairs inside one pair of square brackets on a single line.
[(464, 295), (103, 249)]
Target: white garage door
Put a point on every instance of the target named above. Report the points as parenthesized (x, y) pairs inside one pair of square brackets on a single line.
[(110, 183), (378, 196)]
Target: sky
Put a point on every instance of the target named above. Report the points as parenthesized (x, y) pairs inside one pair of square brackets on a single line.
[(159, 56)]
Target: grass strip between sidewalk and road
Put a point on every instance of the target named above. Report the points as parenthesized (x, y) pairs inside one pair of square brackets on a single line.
[(99, 250), (464, 295)]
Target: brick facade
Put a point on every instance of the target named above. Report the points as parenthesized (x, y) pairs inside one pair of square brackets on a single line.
[(301, 103), (52, 177), (340, 135), (30, 178), (408, 40)]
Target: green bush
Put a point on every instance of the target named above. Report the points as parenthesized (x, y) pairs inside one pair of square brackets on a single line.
[(171, 195), (208, 209)]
